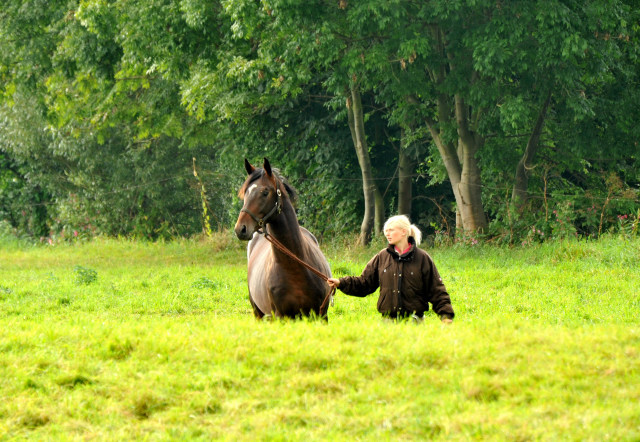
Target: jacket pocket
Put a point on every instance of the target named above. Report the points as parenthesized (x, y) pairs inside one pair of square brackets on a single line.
[(413, 291), (385, 301), (412, 279), (387, 277)]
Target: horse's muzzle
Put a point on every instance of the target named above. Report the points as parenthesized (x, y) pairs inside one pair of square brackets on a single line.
[(243, 232)]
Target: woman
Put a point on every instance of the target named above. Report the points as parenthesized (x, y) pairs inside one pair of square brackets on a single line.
[(407, 277)]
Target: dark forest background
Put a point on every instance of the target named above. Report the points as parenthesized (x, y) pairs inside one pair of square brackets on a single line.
[(511, 121)]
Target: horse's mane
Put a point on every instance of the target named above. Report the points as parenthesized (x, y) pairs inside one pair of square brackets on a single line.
[(259, 173)]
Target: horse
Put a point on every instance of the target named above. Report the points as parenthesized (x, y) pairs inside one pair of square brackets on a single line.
[(279, 285)]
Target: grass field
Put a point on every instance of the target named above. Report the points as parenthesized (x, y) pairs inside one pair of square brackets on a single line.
[(115, 339)]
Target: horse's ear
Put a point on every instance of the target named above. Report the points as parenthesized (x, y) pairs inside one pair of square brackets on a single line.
[(248, 166), (267, 167)]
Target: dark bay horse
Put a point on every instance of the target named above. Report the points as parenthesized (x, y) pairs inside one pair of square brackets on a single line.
[(278, 285)]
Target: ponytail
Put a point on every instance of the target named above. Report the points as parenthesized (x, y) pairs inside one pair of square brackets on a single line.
[(416, 233)]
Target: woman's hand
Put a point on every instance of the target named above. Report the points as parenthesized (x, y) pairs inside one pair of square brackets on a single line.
[(333, 283)]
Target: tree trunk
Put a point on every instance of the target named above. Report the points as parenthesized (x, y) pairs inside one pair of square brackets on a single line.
[(461, 164), (356, 125), (379, 212), (471, 211), (521, 182), (452, 165), (460, 161), (405, 169)]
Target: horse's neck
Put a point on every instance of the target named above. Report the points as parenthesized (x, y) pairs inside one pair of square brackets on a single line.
[(287, 230)]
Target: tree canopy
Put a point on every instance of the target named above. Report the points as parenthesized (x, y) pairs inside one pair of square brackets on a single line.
[(473, 117)]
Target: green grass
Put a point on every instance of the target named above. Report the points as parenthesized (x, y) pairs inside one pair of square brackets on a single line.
[(115, 339)]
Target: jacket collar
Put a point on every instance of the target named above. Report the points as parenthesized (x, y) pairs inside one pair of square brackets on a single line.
[(405, 256)]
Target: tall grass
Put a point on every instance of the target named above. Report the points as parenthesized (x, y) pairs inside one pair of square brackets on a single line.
[(114, 339)]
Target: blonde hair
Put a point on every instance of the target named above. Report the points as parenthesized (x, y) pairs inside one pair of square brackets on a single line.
[(402, 222)]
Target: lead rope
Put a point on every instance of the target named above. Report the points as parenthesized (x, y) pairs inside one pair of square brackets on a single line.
[(290, 254)]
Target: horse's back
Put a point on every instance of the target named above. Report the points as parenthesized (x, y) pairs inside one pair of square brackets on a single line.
[(316, 257)]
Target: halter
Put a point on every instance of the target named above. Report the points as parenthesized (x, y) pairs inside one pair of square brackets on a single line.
[(277, 208)]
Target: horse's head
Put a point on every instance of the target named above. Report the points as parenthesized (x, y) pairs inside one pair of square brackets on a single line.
[(263, 194)]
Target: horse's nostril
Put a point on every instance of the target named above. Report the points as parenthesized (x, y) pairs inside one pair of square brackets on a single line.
[(244, 229)]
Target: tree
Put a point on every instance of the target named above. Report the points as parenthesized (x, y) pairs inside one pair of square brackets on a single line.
[(294, 43), (104, 105), (551, 77), (474, 73), (108, 137), (356, 125)]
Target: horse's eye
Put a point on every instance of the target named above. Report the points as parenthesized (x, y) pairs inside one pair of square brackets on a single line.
[(265, 192)]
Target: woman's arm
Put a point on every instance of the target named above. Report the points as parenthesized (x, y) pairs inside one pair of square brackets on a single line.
[(362, 285), (437, 293)]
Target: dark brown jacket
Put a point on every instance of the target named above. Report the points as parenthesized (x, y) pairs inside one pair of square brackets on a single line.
[(408, 283)]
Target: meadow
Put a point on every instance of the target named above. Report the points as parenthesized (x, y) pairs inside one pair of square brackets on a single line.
[(116, 339)]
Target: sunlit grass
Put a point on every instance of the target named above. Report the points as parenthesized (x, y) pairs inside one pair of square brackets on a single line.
[(162, 344)]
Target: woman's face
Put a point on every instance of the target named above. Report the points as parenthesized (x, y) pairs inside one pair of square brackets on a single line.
[(394, 235)]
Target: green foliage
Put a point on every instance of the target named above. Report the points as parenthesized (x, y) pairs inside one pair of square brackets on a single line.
[(84, 275), (23, 204), (8, 236), (568, 212), (103, 105)]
